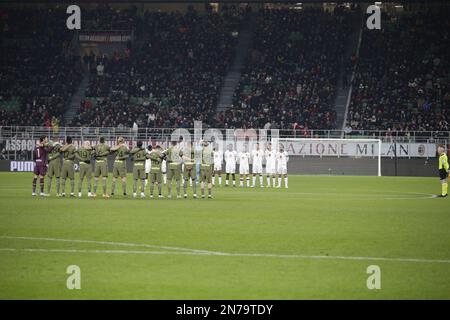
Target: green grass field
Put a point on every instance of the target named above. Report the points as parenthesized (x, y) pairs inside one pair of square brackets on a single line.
[(314, 240)]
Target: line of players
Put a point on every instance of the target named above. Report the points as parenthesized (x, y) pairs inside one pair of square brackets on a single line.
[(175, 163), (276, 165)]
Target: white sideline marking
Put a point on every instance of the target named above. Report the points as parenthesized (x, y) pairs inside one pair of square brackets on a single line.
[(184, 251), (124, 244)]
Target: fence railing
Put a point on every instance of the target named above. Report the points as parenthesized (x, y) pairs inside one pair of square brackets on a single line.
[(147, 134)]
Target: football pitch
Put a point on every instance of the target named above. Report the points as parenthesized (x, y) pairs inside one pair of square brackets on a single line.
[(314, 240)]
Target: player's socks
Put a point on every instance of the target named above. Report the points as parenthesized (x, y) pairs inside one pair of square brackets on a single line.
[(169, 188), (194, 187), (95, 185), (444, 189), (41, 184), (134, 186), (268, 181), (160, 190), (248, 181), (220, 180), (209, 192), (152, 187), (113, 187), (178, 188), (286, 182), (63, 186), (142, 195), (260, 180), (213, 180), (49, 185), (34, 185), (79, 194), (241, 182), (104, 186), (146, 182), (185, 187), (134, 194), (142, 186), (58, 185), (279, 182), (274, 181), (165, 178), (72, 186), (254, 181)]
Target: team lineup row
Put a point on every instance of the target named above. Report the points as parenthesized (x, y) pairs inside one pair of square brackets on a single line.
[(181, 162)]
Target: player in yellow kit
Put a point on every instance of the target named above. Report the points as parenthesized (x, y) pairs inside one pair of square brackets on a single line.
[(443, 171)]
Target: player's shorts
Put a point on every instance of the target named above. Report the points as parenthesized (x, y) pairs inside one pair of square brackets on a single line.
[(40, 170), (217, 166), (119, 169), (205, 174), (68, 170), (243, 169), (257, 168), (148, 165), (174, 172), (270, 168), (101, 168), (443, 174), (189, 173), (85, 170), (230, 167), (139, 170), (54, 168), (282, 169), (155, 177)]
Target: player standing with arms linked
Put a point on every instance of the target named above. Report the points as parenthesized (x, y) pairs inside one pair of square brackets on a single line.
[(139, 156), (282, 160), (271, 160), (54, 168), (174, 154), (206, 169), (156, 156), (257, 157), (68, 170), (230, 165), (218, 158), (40, 154), (84, 155), (244, 158), (189, 170), (101, 152), (120, 166), (443, 171)]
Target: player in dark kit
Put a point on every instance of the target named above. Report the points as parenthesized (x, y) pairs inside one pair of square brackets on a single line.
[(40, 153)]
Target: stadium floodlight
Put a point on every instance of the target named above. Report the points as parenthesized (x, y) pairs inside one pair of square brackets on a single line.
[(333, 156)]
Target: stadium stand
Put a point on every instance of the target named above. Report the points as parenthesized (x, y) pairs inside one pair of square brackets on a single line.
[(402, 77), (291, 74), (172, 80), (37, 76)]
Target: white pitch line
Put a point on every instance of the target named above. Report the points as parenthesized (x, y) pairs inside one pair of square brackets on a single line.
[(185, 251), (257, 255), (124, 244)]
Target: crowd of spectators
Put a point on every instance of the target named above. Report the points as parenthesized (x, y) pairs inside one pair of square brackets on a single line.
[(174, 79), (37, 77), (402, 80), (290, 78)]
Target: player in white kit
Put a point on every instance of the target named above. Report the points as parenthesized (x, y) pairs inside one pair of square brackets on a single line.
[(218, 159), (282, 160), (257, 159), (244, 158), (230, 164), (270, 156)]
